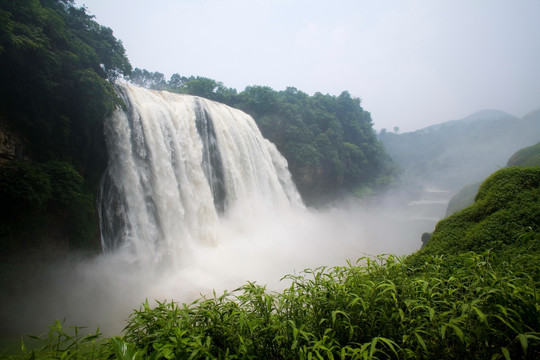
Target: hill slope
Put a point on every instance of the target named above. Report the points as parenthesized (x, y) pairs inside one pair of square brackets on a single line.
[(507, 206), (529, 156)]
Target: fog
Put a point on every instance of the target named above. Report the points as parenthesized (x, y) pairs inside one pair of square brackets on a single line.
[(253, 244)]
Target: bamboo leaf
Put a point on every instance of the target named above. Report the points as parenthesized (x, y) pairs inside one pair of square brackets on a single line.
[(431, 314)]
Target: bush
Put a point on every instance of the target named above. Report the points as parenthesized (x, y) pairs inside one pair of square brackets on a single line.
[(507, 204)]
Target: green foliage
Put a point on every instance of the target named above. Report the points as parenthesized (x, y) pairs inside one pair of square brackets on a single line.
[(66, 183), (43, 199), (462, 307), (56, 64), (507, 204), (328, 141), (64, 343), (23, 185), (198, 86)]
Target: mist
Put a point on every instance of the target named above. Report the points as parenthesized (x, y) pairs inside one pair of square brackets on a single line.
[(254, 243)]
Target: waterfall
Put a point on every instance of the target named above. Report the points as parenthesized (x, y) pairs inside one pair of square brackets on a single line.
[(177, 163)]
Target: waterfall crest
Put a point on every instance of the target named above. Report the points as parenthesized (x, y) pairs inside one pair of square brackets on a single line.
[(176, 164)]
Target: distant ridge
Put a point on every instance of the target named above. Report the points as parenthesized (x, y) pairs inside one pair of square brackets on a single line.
[(482, 115), (460, 152), (489, 114)]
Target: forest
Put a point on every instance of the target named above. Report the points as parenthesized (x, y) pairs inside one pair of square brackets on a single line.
[(471, 292)]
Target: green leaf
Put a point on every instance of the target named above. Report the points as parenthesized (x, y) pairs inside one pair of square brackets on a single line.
[(458, 332), (123, 350), (431, 313), (506, 353), (372, 348), (524, 342), (481, 315), (421, 341)]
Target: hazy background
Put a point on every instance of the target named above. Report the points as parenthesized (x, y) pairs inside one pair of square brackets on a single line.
[(413, 63)]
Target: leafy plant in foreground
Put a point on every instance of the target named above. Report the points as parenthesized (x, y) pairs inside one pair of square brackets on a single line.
[(467, 306), (461, 307)]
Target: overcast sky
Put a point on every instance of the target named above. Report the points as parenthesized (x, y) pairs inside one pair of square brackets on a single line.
[(412, 63)]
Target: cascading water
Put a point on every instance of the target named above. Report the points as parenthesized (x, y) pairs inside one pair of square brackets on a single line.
[(176, 163)]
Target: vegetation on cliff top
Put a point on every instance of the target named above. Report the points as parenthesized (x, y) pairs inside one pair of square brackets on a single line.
[(328, 141)]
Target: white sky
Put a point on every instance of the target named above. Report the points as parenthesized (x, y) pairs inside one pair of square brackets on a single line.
[(413, 63)]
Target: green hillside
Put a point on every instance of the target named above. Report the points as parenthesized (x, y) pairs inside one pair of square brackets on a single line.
[(529, 156)]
